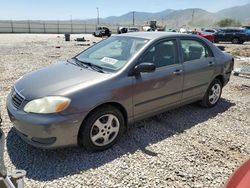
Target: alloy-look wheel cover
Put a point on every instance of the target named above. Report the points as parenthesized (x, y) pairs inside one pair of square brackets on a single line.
[(214, 93), (104, 130)]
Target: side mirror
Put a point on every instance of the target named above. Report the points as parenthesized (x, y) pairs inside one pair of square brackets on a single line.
[(144, 67)]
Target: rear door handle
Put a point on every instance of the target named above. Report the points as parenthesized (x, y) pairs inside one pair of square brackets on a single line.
[(178, 72), (210, 64)]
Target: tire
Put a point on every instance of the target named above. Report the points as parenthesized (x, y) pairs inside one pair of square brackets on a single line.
[(242, 42), (236, 41), (212, 95), (105, 124)]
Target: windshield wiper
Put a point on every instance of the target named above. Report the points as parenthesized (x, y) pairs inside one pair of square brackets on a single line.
[(91, 65), (77, 62)]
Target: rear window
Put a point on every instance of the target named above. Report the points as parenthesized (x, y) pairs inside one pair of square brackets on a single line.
[(233, 31), (210, 31)]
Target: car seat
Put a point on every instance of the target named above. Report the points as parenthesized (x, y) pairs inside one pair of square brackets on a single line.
[(195, 52), (165, 55)]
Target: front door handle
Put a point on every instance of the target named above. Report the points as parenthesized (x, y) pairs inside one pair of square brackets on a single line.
[(178, 72)]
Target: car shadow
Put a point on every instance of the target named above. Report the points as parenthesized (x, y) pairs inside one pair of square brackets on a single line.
[(45, 165)]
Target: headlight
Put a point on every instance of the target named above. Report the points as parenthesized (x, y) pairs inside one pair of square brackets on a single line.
[(47, 105)]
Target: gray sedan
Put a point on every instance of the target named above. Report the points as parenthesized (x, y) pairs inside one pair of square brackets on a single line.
[(91, 98)]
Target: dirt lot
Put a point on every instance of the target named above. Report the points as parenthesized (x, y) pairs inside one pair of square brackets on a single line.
[(186, 147), (238, 50)]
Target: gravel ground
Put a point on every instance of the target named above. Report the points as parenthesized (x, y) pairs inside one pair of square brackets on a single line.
[(238, 49), (186, 147)]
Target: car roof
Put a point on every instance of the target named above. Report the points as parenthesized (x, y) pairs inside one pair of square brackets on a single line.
[(153, 35)]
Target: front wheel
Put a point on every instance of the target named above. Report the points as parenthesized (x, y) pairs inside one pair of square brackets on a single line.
[(102, 129), (236, 41), (213, 94)]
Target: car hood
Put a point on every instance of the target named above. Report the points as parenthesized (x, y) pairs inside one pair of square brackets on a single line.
[(54, 79)]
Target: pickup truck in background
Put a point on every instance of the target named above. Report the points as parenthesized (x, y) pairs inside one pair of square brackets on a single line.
[(102, 32)]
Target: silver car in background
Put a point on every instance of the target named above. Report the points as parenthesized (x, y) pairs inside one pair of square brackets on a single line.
[(90, 99)]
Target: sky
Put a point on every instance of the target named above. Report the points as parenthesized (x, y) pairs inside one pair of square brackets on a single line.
[(85, 9)]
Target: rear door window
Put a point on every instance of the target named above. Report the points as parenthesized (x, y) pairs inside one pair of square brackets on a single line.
[(193, 50)]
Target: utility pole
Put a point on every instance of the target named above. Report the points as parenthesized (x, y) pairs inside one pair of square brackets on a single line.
[(193, 17), (11, 23), (133, 18), (71, 24), (29, 26), (98, 18)]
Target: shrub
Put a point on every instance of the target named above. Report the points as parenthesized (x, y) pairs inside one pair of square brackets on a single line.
[(229, 23)]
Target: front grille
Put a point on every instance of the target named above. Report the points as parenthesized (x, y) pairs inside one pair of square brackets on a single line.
[(17, 99)]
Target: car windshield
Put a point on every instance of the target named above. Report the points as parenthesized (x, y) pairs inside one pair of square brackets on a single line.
[(113, 53)]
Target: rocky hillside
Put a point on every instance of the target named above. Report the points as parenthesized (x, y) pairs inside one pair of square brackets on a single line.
[(178, 18)]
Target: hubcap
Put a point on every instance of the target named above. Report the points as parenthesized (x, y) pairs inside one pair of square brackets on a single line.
[(236, 41), (104, 130), (214, 93)]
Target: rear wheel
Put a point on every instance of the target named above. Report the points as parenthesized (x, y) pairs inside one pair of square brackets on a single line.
[(102, 128), (242, 42), (213, 94)]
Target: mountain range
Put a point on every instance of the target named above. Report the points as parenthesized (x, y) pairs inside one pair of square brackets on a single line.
[(178, 18)]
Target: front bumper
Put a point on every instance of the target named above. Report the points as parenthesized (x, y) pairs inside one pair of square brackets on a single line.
[(45, 130)]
